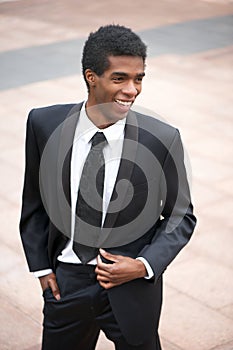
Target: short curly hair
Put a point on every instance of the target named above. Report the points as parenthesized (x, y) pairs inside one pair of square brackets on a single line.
[(110, 40)]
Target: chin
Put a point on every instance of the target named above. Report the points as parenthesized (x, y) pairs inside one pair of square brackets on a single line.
[(118, 116), (112, 112)]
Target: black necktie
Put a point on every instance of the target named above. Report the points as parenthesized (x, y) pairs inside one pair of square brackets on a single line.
[(90, 200)]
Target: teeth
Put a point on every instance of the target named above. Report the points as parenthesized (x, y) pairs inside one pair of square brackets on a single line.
[(124, 103)]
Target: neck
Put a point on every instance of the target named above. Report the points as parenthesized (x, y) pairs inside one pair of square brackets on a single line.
[(97, 117)]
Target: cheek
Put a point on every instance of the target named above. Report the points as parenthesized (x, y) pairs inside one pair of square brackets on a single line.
[(139, 89), (100, 94), (108, 94)]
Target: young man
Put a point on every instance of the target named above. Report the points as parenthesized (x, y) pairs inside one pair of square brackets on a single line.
[(106, 204)]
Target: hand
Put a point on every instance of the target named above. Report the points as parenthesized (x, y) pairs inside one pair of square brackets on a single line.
[(49, 281), (122, 270)]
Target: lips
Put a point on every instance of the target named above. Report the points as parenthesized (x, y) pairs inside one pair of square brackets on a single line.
[(124, 103), (123, 106)]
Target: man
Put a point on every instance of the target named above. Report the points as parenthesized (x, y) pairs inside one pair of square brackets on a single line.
[(106, 204)]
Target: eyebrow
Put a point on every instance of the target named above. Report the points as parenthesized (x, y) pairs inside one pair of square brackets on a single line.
[(126, 75)]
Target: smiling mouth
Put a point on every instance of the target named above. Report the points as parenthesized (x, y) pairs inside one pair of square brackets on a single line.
[(124, 103)]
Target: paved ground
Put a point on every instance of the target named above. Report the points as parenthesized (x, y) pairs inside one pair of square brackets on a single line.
[(189, 82)]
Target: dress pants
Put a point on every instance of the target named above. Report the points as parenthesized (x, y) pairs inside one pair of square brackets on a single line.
[(74, 322)]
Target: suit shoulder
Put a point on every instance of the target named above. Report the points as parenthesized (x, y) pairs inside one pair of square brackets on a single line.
[(156, 126), (52, 114)]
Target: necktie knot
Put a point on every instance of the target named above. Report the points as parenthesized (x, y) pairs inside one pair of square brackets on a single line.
[(98, 140)]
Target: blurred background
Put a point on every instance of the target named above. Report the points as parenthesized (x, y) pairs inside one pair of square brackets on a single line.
[(189, 82)]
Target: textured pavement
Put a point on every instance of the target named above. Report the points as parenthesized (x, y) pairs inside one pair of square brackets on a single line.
[(189, 82)]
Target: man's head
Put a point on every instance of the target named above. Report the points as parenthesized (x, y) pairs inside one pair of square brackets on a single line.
[(113, 68), (110, 40)]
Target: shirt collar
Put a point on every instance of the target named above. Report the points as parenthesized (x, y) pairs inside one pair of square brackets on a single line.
[(86, 129)]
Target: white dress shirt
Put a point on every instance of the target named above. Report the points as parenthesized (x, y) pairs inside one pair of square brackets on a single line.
[(114, 135)]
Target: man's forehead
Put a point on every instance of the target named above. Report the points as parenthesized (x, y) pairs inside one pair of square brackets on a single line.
[(121, 63), (124, 74)]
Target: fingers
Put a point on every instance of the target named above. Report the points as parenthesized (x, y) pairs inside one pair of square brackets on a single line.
[(54, 288), (102, 268), (49, 281), (103, 272), (109, 275), (122, 270), (107, 285)]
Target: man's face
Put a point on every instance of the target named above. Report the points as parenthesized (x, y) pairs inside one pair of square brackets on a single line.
[(114, 92)]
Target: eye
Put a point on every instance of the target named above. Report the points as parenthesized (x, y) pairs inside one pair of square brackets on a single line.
[(117, 79), (139, 79)]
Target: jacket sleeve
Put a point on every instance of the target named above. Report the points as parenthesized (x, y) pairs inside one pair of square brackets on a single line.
[(178, 222), (34, 220)]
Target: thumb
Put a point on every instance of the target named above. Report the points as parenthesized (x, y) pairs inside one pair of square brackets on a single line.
[(109, 256)]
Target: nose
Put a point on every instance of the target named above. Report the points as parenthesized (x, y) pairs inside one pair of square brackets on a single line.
[(130, 89)]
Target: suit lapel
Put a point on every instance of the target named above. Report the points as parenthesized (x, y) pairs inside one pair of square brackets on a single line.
[(68, 128)]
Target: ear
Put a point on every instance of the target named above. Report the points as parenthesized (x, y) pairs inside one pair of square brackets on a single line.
[(90, 77)]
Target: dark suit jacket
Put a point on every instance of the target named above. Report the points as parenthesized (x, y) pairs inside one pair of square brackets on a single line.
[(150, 213)]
